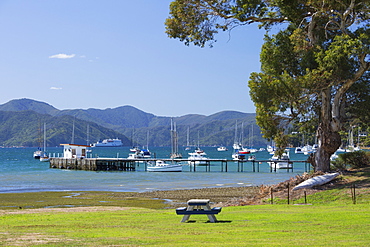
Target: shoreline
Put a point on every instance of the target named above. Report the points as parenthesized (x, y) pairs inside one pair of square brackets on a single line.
[(220, 196)]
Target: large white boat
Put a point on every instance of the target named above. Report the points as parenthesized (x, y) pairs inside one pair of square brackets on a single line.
[(108, 143), (161, 166), (199, 157), (281, 162)]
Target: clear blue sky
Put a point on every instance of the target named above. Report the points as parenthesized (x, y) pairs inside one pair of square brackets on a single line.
[(109, 53)]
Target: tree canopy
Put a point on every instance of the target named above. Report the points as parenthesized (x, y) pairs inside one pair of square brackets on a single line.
[(307, 67)]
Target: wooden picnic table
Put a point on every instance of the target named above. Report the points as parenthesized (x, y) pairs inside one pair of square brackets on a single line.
[(198, 206)]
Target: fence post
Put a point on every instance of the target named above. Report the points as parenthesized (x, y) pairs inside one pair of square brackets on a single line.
[(305, 197), (272, 196), (288, 193), (353, 192)]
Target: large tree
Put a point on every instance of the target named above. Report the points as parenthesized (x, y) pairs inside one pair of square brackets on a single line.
[(320, 51)]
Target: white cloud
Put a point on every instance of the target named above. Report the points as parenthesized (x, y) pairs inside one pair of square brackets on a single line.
[(56, 88), (62, 56)]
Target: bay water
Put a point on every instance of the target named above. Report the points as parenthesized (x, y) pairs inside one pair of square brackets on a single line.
[(20, 172)]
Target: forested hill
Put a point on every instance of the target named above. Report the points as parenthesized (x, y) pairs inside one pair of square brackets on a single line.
[(26, 128), (142, 127)]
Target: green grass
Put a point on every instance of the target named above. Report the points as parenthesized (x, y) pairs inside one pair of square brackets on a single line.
[(331, 220), (336, 196), (264, 225)]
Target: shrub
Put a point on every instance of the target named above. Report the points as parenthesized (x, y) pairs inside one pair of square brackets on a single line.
[(357, 159)]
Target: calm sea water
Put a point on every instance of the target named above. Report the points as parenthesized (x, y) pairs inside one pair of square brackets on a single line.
[(20, 172)]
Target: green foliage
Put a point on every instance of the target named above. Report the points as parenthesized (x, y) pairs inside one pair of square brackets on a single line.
[(197, 22), (307, 66), (354, 160), (358, 102)]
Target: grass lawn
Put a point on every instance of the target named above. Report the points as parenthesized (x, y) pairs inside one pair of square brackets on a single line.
[(121, 219), (260, 225)]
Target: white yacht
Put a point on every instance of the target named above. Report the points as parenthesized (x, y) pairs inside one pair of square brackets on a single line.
[(161, 166), (135, 154), (281, 162), (109, 143), (198, 157)]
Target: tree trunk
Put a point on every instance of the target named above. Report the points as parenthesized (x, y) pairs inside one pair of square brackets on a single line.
[(328, 142), (327, 133)]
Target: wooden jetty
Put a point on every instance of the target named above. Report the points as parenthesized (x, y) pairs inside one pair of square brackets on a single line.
[(93, 164), (124, 164), (75, 158)]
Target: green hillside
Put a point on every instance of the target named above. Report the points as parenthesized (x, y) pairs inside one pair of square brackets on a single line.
[(25, 128), (128, 121)]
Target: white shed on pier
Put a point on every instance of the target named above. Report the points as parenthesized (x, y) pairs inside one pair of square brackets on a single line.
[(72, 151)]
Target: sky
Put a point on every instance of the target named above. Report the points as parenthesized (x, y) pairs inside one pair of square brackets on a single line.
[(80, 54)]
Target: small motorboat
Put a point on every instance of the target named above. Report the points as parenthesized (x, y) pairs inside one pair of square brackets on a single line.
[(240, 154), (251, 158), (161, 166), (222, 149), (44, 157), (37, 154)]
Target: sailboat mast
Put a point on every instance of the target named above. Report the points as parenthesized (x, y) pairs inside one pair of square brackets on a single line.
[(73, 133), (44, 137), (147, 140), (175, 140), (187, 137), (172, 138), (87, 135), (236, 133)]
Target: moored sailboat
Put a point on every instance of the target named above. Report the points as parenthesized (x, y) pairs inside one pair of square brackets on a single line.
[(174, 142), (44, 157)]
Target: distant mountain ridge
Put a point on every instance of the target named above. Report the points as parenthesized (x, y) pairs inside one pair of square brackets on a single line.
[(28, 105), (218, 128), (25, 128)]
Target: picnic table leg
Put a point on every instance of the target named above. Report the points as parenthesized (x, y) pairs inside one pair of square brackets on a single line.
[(187, 216), (211, 217)]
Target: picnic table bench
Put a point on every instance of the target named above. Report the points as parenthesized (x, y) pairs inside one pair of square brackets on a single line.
[(198, 206)]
